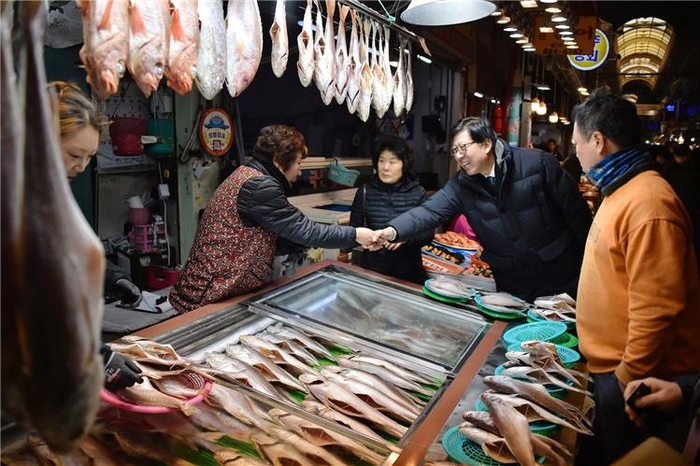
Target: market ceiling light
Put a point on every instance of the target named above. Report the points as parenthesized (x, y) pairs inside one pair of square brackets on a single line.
[(528, 3), (424, 59), (557, 18), (543, 87), (553, 117), (478, 94), (446, 12), (542, 109), (503, 20), (553, 9)]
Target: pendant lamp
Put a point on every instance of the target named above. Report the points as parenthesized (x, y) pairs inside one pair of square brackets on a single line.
[(446, 12)]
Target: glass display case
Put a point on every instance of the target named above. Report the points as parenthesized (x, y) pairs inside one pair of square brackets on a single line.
[(365, 311)]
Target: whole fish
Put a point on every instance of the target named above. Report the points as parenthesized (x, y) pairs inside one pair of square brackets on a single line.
[(318, 454), (334, 395), (494, 445), (240, 372), (290, 345), (276, 354), (305, 44), (321, 436), (149, 30), (145, 394), (482, 420), (324, 53), (386, 374), (539, 375), (398, 370), (243, 44), (51, 303), (233, 458), (270, 371), (280, 40), (336, 416), (181, 67), (279, 453), (364, 103), (106, 43), (513, 427), (236, 404), (341, 58), (539, 396), (400, 79), (409, 78), (301, 338), (211, 48), (373, 397), (352, 87)]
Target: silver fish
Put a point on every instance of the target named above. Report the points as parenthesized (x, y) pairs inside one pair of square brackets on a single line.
[(106, 43), (267, 368), (324, 53), (513, 427), (304, 340), (240, 372), (352, 86), (181, 69), (280, 40), (40, 349), (338, 417), (409, 78), (321, 436), (539, 375), (400, 79), (149, 24), (398, 370), (338, 397), (385, 373), (276, 354), (373, 397), (290, 345), (341, 58), (243, 44), (305, 44), (211, 49), (237, 405)]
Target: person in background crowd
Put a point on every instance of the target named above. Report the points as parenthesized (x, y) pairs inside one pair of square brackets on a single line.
[(638, 304), (683, 174), (553, 149), (393, 189), (529, 216), (80, 124), (572, 166), (249, 220)]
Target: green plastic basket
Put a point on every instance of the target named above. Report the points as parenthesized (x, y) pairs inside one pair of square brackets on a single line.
[(543, 331), (339, 174)]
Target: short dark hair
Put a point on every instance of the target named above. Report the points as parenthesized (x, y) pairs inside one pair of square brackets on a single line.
[(479, 129), (396, 145), (281, 144), (612, 115)]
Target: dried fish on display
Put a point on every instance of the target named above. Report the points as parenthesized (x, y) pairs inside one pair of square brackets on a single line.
[(364, 102), (354, 63), (331, 414), (409, 78), (240, 372), (276, 354), (180, 68), (211, 51), (341, 58), (51, 303), (149, 38), (271, 371), (290, 345), (305, 45), (280, 40), (243, 44), (106, 43), (324, 53), (304, 340), (399, 95)]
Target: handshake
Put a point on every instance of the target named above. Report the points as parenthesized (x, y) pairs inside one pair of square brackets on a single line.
[(374, 239)]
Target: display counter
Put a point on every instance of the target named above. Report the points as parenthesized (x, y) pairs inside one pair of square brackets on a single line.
[(454, 346)]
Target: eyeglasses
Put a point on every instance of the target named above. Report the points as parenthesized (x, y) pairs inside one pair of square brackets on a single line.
[(462, 148)]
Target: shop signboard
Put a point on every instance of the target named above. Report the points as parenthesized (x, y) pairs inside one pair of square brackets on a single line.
[(216, 131), (588, 62)]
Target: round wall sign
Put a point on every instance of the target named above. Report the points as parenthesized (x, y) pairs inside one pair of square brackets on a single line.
[(216, 131), (601, 49)]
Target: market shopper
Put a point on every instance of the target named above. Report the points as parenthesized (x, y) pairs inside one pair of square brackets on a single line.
[(528, 214), (638, 304), (393, 189), (249, 220), (680, 396), (80, 124)]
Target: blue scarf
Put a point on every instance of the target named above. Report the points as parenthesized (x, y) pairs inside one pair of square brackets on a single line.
[(618, 168)]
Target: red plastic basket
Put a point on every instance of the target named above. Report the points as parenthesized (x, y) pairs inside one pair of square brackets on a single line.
[(125, 133)]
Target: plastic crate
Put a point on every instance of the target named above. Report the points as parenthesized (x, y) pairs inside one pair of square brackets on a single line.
[(342, 175), (160, 277)]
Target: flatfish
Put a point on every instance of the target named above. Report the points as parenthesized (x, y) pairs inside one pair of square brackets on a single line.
[(280, 40)]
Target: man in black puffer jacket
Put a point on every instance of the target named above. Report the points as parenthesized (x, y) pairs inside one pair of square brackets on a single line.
[(527, 213)]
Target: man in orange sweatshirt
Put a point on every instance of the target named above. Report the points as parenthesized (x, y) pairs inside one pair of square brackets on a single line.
[(638, 303)]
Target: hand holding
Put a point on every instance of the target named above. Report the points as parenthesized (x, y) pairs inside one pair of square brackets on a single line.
[(120, 371), (393, 246), (665, 396)]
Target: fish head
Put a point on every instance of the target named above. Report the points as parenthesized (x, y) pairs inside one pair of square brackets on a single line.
[(240, 83)]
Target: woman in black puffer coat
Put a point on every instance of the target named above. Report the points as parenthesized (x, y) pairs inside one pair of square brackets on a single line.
[(393, 190)]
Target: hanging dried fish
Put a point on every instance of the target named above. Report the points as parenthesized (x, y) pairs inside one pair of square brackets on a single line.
[(211, 52), (182, 53), (280, 40), (409, 79), (305, 44), (51, 302), (149, 31), (352, 87), (324, 53), (365, 97), (400, 79), (243, 44), (341, 58)]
